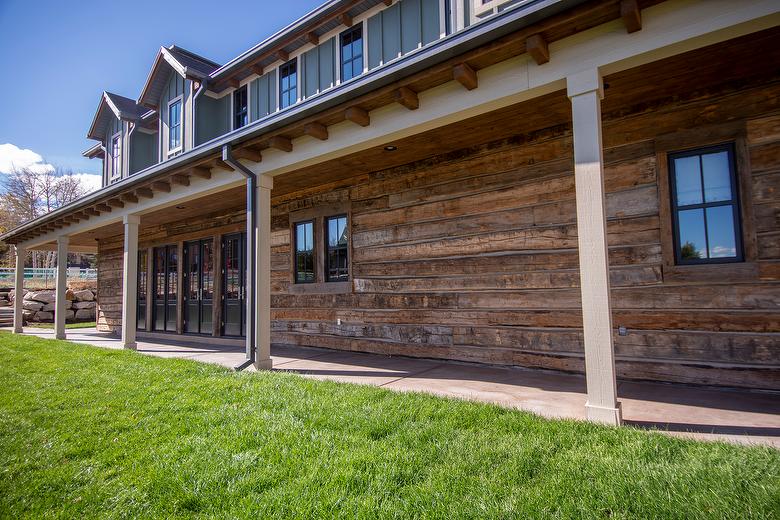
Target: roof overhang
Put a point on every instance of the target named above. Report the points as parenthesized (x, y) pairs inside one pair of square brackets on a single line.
[(95, 151), (164, 63)]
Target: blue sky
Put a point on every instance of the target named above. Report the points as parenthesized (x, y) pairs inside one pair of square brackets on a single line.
[(58, 56)]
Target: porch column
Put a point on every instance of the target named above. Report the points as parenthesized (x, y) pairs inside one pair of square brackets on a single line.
[(130, 281), (21, 254), (263, 274), (585, 90), (62, 287)]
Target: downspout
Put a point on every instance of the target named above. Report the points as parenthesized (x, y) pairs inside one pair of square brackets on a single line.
[(251, 233)]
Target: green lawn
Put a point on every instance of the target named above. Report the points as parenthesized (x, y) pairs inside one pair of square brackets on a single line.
[(83, 325), (87, 432)]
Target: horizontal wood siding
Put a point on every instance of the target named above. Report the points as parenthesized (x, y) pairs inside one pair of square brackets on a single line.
[(473, 256)]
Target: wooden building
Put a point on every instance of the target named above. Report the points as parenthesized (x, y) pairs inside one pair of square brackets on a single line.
[(580, 186)]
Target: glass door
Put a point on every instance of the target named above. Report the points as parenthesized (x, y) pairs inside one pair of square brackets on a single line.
[(233, 285), (143, 285), (166, 265), (199, 286)]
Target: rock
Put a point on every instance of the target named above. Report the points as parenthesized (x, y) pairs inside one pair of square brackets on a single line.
[(84, 305), (85, 314), (28, 315), (41, 296), (48, 307), (84, 296), (44, 316), (69, 315), (70, 295), (30, 305), (12, 294)]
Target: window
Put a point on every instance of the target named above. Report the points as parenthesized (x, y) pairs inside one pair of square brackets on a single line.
[(304, 252), (240, 108), (705, 208), (351, 53), (174, 126), (143, 287), (288, 84), (336, 241), (116, 150)]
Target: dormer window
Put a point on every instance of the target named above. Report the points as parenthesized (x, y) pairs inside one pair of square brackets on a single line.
[(240, 108), (174, 125), (288, 83), (116, 150), (352, 53)]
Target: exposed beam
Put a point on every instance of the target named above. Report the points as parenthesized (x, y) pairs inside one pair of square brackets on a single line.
[(283, 55), (312, 38), (129, 197), (346, 19), (103, 208), (281, 143), (536, 46), (388, 2), (358, 116), (144, 192), (92, 212), (234, 82), (115, 203), (257, 69), (407, 97), (161, 186), (180, 179), (631, 15), (251, 153), (316, 130), (465, 75), (201, 172), (219, 163)]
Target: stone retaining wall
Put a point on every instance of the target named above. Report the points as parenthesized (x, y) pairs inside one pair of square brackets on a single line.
[(39, 305)]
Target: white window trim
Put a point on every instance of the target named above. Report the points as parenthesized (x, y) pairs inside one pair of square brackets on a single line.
[(180, 99), (116, 172)]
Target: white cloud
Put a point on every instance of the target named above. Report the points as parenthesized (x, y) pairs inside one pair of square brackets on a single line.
[(12, 157)]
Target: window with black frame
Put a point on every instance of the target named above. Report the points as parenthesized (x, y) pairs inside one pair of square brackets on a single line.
[(337, 250), (240, 108), (288, 83), (705, 206), (304, 252), (352, 53)]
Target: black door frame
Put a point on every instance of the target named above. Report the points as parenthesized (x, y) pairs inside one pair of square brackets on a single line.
[(241, 300), (167, 304), (205, 305)]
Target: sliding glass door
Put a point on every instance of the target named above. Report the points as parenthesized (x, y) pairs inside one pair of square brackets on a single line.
[(198, 286)]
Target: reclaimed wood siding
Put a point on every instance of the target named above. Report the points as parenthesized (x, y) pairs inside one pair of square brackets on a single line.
[(473, 256)]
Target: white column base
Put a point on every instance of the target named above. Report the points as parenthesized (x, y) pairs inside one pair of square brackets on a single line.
[(604, 415), (264, 364)]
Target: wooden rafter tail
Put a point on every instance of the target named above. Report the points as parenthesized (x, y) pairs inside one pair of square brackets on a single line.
[(465, 75), (536, 46), (358, 116)]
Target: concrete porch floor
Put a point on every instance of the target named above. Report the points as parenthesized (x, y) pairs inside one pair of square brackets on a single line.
[(703, 413)]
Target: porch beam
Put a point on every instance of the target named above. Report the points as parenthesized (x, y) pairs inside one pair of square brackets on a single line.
[(180, 179), (358, 116), (262, 280), (585, 90), (407, 97), (201, 172), (465, 75), (631, 15), (115, 203), (144, 192), (130, 281), (103, 208), (251, 153), (281, 143), (536, 46), (316, 130), (129, 197), (163, 186), (21, 255), (62, 286)]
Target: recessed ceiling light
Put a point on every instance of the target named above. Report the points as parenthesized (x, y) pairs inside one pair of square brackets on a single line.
[(181, 207), (391, 148)]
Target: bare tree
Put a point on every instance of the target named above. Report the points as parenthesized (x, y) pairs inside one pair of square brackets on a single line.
[(32, 192)]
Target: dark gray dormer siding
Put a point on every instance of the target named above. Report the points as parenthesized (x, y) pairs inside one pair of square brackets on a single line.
[(400, 29), (262, 95), (143, 150), (318, 67), (212, 118)]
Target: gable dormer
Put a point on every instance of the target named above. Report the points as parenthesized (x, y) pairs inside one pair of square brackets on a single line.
[(170, 90), (126, 133)]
